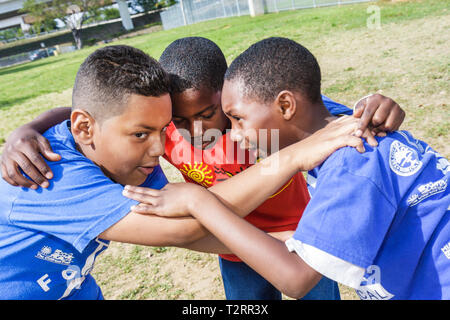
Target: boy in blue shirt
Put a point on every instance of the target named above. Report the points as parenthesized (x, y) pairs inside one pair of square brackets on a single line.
[(50, 237), (377, 221)]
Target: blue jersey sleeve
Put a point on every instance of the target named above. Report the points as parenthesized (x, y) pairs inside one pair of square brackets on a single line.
[(335, 108), (348, 215), (80, 203)]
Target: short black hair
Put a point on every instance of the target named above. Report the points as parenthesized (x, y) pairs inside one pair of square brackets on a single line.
[(194, 63), (275, 64), (111, 74)]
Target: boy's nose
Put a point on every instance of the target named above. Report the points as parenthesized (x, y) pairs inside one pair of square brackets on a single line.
[(196, 129), (157, 148)]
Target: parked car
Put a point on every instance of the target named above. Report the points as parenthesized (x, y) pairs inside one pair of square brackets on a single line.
[(41, 53)]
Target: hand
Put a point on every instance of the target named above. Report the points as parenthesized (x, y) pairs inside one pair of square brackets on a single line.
[(174, 200), (339, 133), (23, 150), (379, 113)]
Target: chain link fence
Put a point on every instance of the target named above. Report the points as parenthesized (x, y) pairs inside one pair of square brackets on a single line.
[(192, 11)]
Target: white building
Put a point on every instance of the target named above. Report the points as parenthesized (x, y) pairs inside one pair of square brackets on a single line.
[(11, 17)]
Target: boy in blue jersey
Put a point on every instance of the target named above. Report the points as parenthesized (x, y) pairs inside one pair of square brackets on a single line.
[(378, 221), (50, 237)]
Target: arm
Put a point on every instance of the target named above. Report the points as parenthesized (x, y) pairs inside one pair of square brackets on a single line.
[(50, 118), (25, 143), (286, 270), (152, 230), (24, 148), (184, 232), (245, 191)]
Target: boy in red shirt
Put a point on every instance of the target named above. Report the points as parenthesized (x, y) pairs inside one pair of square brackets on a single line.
[(198, 145)]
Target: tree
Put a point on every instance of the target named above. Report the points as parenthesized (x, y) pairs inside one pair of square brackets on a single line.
[(110, 13), (144, 5), (72, 12)]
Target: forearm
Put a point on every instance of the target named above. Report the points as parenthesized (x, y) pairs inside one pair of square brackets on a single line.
[(286, 271), (247, 190), (50, 118), (151, 230), (208, 244)]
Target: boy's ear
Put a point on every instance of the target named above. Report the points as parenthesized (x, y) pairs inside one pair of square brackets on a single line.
[(286, 104), (82, 126)]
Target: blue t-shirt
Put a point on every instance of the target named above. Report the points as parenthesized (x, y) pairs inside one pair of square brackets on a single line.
[(335, 108), (48, 237), (379, 221)]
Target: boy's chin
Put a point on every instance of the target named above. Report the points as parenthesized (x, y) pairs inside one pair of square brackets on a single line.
[(135, 179)]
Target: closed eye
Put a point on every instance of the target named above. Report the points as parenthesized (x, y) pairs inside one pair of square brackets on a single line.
[(209, 116)]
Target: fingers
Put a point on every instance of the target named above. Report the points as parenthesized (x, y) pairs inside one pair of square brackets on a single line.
[(355, 142), (365, 110), (141, 195), (143, 191), (345, 125), (370, 137), (35, 161), (13, 174), (33, 166), (143, 209), (6, 177), (389, 116), (379, 113), (46, 150)]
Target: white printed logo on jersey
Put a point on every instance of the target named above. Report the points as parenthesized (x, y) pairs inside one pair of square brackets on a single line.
[(403, 160), (371, 288), (442, 164), (446, 250), (58, 256), (427, 190)]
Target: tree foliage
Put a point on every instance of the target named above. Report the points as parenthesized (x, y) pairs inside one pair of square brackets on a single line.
[(72, 12)]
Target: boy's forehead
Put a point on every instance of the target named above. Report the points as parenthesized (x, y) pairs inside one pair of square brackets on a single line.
[(194, 101), (232, 96), (148, 111)]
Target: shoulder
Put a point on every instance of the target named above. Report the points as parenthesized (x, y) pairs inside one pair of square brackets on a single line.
[(60, 136), (394, 166), (398, 150), (336, 108)]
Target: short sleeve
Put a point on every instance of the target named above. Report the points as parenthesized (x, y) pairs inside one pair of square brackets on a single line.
[(335, 108), (80, 203), (348, 217)]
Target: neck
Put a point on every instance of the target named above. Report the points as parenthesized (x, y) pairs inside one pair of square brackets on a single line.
[(313, 118)]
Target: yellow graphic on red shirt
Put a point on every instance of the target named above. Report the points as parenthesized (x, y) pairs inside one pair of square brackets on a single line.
[(282, 189), (200, 173)]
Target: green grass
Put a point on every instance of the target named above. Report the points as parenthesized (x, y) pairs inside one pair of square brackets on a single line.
[(21, 83)]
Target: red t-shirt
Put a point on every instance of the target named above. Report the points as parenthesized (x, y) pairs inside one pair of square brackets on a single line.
[(281, 212)]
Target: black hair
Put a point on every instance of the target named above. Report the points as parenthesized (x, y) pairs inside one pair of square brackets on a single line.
[(111, 74), (194, 63), (275, 64)]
